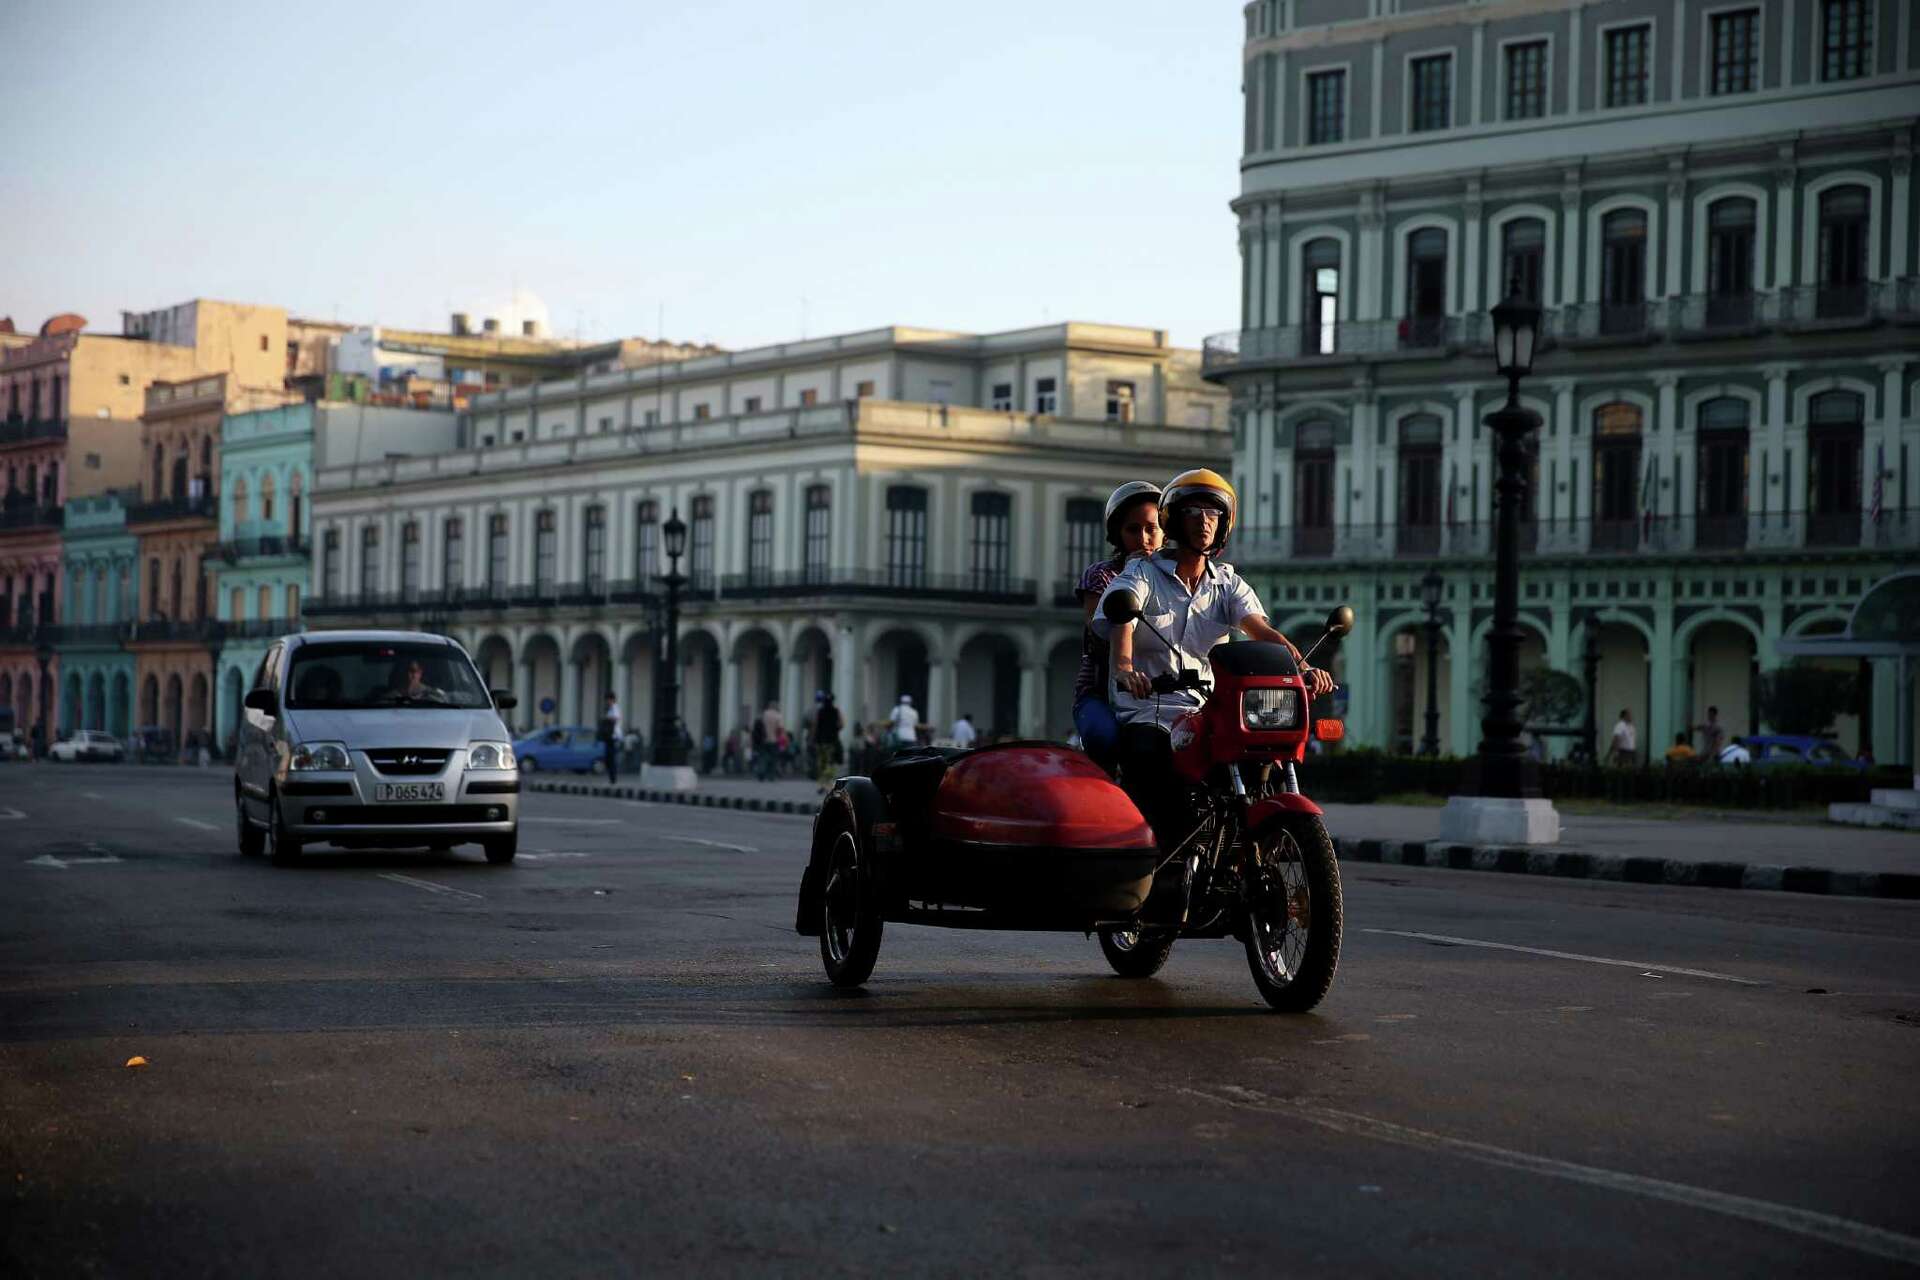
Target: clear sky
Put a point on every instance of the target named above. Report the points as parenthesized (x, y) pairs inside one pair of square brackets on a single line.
[(978, 165)]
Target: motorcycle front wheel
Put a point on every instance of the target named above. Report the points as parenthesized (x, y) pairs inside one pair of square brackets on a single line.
[(1293, 911)]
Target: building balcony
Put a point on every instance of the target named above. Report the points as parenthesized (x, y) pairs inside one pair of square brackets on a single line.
[(1712, 535), (259, 629), (176, 631), (1407, 336), (26, 432), (1693, 317), (92, 635), (278, 546), (15, 635), (1824, 306), (200, 508), (1608, 323), (967, 588), (17, 516)]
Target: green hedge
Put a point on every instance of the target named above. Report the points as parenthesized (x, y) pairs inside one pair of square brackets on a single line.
[(1361, 777)]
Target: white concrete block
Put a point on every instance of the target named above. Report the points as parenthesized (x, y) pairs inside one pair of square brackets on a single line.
[(669, 777), (1887, 798), (1494, 820)]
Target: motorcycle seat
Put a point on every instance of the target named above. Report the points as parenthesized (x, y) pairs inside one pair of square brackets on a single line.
[(908, 780)]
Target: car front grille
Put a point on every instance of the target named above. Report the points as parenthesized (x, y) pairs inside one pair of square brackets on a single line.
[(409, 762)]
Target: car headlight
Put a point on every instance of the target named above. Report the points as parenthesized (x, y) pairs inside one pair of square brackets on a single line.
[(1267, 709), (490, 755), (330, 757)]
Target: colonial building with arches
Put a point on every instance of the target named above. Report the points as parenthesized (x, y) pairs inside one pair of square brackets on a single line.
[(1714, 206), (878, 513), (102, 603)]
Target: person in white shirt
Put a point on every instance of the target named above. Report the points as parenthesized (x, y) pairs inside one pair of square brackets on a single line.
[(610, 736), (964, 734), (1192, 600), (905, 721), (1624, 745)]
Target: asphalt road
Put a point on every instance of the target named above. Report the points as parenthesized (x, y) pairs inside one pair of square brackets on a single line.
[(616, 1057)]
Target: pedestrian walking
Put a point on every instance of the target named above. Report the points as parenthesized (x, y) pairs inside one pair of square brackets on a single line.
[(610, 736), (1625, 750), (905, 722), (964, 735), (1713, 735), (768, 731), (826, 738)]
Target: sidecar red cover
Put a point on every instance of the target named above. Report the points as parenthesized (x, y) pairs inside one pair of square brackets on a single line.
[(1039, 835), (1036, 795)]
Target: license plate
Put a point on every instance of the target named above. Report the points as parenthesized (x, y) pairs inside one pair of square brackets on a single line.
[(409, 791)]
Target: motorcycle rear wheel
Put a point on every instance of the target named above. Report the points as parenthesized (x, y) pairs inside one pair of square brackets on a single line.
[(850, 924), (1136, 953), (1293, 912)]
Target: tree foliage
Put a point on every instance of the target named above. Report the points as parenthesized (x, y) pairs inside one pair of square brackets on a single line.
[(1805, 699), (1551, 698)]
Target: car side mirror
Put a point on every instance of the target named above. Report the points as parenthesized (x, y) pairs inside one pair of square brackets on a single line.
[(1340, 621), (504, 700), (263, 701), (1120, 607)]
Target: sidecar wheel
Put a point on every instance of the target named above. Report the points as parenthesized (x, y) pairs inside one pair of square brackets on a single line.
[(1136, 953), (1292, 885), (850, 922)]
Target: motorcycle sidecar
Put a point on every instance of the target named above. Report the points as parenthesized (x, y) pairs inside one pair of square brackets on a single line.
[(1025, 835)]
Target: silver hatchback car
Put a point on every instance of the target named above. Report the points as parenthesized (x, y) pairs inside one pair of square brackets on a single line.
[(374, 739)]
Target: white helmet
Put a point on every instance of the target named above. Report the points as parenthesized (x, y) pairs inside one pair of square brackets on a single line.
[(1125, 496)]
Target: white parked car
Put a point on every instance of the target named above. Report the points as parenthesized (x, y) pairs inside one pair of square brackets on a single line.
[(87, 744)]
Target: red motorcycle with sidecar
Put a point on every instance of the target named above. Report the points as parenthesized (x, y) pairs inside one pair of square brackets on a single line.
[(1036, 836)]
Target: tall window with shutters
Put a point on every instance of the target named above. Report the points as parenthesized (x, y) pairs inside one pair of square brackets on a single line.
[(498, 550), (329, 568), (453, 556), (593, 546), (369, 563), (760, 537), (410, 560), (992, 540), (701, 543), (906, 536), (546, 552), (1086, 534), (646, 544), (817, 551)]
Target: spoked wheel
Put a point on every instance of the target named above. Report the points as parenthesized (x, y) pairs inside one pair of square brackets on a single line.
[(1293, 912), (850, 923), (1136, 953)]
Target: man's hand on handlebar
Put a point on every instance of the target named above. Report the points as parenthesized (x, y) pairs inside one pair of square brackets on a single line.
[(1319, 683), (1136, 683)]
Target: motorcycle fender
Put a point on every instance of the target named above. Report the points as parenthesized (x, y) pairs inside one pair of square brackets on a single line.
[(855, 798), (1279, 806)]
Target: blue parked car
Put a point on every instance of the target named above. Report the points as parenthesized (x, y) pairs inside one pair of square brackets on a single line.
[(571, 749), (1791, 748)]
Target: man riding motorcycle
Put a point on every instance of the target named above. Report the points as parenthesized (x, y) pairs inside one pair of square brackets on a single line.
[(1192, 599)]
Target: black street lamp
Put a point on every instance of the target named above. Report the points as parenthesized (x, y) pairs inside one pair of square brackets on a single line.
[(43, 654), (1590, 669), (1431, 588), (669, 738), (1505, 770)]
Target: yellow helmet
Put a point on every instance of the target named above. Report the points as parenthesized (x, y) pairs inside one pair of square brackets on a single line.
[(1190, 486)]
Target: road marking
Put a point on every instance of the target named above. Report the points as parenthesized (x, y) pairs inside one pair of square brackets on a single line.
[(48, 860), (195, 822), (576, 822), (550, 854), (716, 844), (1567, 955), (93, 795), (1845, 1232), (10, 815), (428, 885)]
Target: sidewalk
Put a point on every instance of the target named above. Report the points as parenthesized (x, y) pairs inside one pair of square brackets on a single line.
[(1734, 851)]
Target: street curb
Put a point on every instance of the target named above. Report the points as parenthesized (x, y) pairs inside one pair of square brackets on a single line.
[(1572, 865), (1566, 864), (698, 799)]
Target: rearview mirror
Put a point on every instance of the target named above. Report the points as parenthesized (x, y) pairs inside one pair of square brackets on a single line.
[(1120, 607), (504, 700), (1340, 621), (263, 701)]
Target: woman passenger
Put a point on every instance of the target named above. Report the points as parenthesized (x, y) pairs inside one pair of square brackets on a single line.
[(1133, 528)]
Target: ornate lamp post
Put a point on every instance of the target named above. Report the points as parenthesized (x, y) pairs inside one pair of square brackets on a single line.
[(1507, 807), (1590, 669), (1430, 589), (43, 654), (669, 738)]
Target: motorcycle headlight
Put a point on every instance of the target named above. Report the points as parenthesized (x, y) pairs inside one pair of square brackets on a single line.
[(1267, 709), (329, 757), (490, 755)]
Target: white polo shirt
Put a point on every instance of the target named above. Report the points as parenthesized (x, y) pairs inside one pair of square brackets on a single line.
[(1191, 621)]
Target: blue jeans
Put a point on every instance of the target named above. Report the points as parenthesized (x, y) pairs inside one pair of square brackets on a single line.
[(1099, 731)]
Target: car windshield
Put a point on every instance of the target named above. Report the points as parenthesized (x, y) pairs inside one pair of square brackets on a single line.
[(377, 673), (1827, 754)]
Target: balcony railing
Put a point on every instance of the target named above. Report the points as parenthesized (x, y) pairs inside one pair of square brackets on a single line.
[(266, 547), (259, 629), (1607, 322), (30, 515), (1895, 530), (152, 630), (202, 507), (1820, 306), (1693, 316), (92, 634), (27, 432)]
